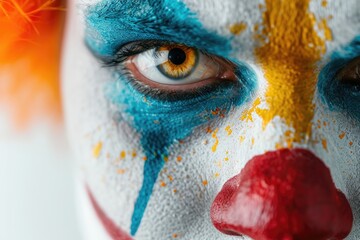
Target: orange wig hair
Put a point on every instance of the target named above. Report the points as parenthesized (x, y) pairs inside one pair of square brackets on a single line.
[(30, 45)]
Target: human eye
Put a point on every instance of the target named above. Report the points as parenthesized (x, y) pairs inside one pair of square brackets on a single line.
[(174, 70), (339, 85), (349, 76)]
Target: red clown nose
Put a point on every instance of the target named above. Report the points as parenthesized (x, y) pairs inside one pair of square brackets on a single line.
[(283, 195)]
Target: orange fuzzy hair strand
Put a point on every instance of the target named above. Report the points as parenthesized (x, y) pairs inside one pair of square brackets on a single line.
[(30, 45)]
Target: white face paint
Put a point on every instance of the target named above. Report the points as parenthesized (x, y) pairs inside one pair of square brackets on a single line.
[(154, 167)]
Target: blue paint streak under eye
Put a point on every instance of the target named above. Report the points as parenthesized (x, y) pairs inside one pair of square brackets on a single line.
[(338, 96), (112, 24), (163, 123)]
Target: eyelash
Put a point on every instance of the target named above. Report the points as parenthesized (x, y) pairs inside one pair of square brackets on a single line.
[(131, 49)]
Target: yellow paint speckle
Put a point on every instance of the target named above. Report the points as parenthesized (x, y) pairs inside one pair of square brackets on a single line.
[(242, 139), (226, 159), (97, 149), (247, 114), (122, 154), (134, 154), (237, 28), (214, 136), (324, 3), (252, 141), (166, 159), (228, 130), (216, 175)]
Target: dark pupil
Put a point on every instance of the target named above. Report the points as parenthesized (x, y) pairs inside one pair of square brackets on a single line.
[(177, 56)]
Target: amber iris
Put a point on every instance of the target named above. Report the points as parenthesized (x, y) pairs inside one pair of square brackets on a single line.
[(181, 61)]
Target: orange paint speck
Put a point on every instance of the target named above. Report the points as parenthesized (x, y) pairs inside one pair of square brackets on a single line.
[(205, 182), (342, 135), (350, 144), (170, 178), (324, 144), (166, 159), (162, 184), (179, 158), (174, 235), (121, 171), (144, 158)]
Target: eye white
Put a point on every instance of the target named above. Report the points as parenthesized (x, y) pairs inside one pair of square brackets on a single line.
[(148, 61)]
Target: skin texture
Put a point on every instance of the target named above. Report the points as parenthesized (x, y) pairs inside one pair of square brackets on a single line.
[(154, 169)]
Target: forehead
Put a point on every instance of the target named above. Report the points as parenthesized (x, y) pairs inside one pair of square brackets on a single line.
[(343, 17)]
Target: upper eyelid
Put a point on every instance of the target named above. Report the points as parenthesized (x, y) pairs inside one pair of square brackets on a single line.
[(124, 52)]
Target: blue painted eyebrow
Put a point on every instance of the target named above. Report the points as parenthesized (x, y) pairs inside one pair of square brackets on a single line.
[(111, 24)]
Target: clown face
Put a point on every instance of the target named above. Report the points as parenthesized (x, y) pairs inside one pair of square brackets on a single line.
[(215, 119)]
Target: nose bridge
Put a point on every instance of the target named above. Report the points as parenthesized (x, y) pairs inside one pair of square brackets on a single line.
[(289, 50)]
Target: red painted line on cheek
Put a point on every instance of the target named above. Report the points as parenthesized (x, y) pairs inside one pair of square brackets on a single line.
[(114, 231)]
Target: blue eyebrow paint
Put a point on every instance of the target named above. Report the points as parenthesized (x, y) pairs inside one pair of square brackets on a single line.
[(162, 123), (337, 96), (112, 24)]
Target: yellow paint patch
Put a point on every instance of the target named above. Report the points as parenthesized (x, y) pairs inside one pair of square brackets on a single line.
[(242, 139), (289, 51), (237, 28), (166, 158), (214, 136), (228, 130), (97, 149)]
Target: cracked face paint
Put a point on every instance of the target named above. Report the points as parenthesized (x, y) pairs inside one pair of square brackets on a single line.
[(154, 165)]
